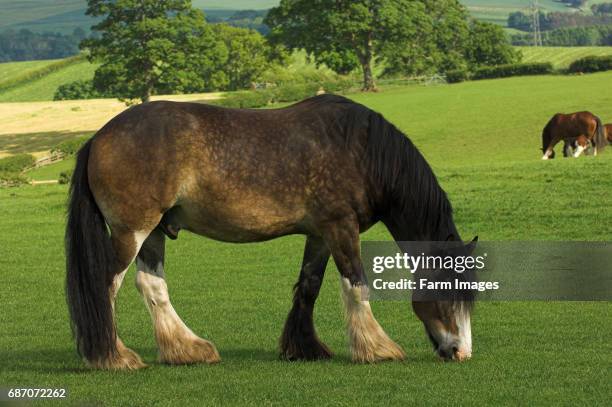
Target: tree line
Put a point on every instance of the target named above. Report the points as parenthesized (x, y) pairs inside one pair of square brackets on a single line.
[(555, 20), (600, 35), (25, 45)]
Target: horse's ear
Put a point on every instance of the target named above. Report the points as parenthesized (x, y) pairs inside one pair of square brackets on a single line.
[(470, 247)]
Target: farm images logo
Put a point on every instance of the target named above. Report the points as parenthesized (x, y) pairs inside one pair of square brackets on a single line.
[(435, 263), (437, 271)]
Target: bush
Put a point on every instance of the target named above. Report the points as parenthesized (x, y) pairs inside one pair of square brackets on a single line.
[(16, 163), (70, 147), (457, 75), (504, 71), (81, 89), (291, 93), (245, 99), (591, 64), (280, 94), (12, 179), (65, 177)]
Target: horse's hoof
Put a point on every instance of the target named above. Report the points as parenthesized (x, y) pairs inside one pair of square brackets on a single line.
[(190, 351)]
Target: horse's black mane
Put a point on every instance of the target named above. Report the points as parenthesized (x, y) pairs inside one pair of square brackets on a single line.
[(409, 185)]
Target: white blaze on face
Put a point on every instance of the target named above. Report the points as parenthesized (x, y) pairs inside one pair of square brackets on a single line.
[(457, 345), (464, 328)]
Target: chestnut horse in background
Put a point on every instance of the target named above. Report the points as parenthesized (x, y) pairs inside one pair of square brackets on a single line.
[(609, 132), (582, 129), (327, 168)]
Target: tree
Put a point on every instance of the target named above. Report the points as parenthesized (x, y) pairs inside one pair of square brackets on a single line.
[(488, 45), (149, 46), (249, 55), (436, 43), (343, 34)]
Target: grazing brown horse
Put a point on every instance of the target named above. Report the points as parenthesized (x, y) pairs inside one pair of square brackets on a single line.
[(581, 129), (609, 132), (327, 168)]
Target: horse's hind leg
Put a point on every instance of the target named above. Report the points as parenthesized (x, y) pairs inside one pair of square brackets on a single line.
[(125, 244), (299, 339), (176, 342), (369, 342)]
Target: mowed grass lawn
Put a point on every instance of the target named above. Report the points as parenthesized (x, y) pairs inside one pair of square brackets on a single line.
[(482, 139)]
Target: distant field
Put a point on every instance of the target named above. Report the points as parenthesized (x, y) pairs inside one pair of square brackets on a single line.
[(8, 70), (65, 15), (561, 57), (44, 88), (497, 11)]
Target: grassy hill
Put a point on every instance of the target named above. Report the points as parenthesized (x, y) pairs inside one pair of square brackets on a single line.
[(482, 140), (44, 87)]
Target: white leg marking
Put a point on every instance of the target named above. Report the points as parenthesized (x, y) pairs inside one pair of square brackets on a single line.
[(369, 342), (579, 151), (547, 154), (177, 343)]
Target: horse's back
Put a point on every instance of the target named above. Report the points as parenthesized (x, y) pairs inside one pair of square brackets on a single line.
[(260, 170)]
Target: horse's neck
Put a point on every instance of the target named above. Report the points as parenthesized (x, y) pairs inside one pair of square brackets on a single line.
[(404, 230)]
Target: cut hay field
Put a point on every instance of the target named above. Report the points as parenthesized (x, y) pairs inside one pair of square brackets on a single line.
[(482, 139)]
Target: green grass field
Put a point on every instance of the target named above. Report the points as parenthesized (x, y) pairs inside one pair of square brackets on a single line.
[(482, 139), (44, 88), (8, 70), (561, 57)]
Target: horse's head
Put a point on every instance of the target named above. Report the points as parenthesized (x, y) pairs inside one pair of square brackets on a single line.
[(448, 322)]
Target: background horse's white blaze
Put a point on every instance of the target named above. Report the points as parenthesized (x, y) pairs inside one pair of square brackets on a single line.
[(368, 341), (177, 343)]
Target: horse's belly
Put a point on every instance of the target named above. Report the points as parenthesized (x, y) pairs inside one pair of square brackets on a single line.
[(239, 220)]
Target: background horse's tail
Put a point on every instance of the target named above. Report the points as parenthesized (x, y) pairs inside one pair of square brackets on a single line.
[(601, 140), (89, 262), (547, 136)]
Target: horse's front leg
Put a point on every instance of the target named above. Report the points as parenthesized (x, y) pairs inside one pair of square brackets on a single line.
[(299, 339), (176, 342), (582, 144), (368, 341)]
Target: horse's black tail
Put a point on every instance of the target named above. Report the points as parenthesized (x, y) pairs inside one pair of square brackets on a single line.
[(601, 139), (89, 262)]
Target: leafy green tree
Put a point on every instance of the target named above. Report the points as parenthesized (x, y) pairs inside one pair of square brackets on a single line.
[(150, 46), (249, 55), (343, 34), (488, 45), (435, 42)]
